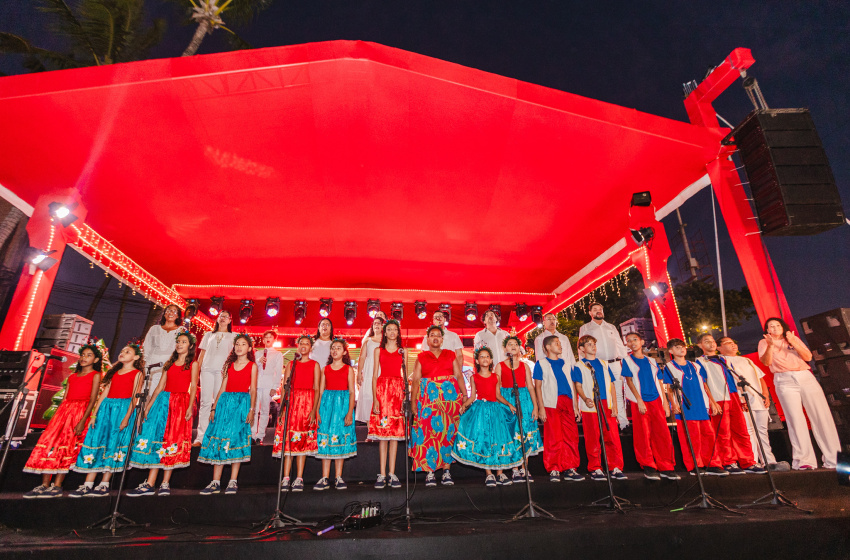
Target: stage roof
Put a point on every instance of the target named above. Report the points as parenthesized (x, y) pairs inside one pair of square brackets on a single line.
[(343, 165)]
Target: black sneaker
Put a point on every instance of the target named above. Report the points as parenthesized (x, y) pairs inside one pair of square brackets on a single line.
[(517, 477), (694, 472), (381, 483), (617, 474), (755, 469), (716, 471), (298, 485), (554, 476), (490, 481), (598, 476), (340, 484), (572, 476), (670, 475), (99, 491), (733, 469), (430, 480), (394, 481), (81, 492), (164, 489), (651, 473), (503, 480), (36, 492), (144, 489), (447, 479), (232, 487), (212, 488)]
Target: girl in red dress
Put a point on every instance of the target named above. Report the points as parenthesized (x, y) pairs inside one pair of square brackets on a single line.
[(58, 446), (386, 424), (165, 440), (300, 440)]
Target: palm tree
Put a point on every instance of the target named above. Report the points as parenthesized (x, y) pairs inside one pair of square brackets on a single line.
[(208, 15), (96, 32)]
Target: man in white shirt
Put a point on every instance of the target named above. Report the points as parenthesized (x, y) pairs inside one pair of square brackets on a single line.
[(269, 372), (215, 348), (610, 348), (451, 341), (550, 325), (491, 336), (761, 407)]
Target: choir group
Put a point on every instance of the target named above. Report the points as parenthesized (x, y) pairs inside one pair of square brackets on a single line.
[(489, 420)]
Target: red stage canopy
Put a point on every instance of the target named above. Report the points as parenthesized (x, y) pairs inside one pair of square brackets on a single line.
[(343, 166)]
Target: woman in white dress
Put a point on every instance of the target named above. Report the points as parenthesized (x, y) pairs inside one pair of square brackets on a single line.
[(322, 343), (364, 370), (159, 342), (215, 348)]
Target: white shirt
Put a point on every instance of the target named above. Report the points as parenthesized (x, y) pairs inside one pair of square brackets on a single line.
[(493, 342), (217, 348), (568, 356), (159, 345), (269, 377), (609, 343), (320, 352), (716, 379), (753, 374), (451, 341)]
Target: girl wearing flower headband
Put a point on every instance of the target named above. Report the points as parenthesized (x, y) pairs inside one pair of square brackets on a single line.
[(507, 370), (487, 434), (365, 370), (300, 439), (336, 436), (59, 444), (108, 438), (165, 440), (228, 440), (386, 423)]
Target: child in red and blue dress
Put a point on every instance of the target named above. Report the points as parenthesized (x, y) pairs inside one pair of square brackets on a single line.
[(300, 440), (108, 439), (386, 424), (336, 437), (228, 438), (697, 411), (59, 444), (165, 440), (487, 433), (527, 400)]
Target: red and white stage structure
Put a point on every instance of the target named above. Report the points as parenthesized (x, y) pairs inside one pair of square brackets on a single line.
[(355, 171)]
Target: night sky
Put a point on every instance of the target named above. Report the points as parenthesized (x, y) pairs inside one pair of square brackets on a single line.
[(634, 54)]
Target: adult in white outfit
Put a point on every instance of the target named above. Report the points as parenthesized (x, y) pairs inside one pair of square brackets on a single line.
[(451, 341), (491, 337), (610, 348), (797, 389), (159, 342), (550, 326), (753, 375), (215, 348), (365, 370), (269, 371), (322, 343)]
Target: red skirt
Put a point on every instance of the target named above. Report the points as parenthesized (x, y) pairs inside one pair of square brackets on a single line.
[(389, 424), (177, 439), (301, 439), (58, 446)]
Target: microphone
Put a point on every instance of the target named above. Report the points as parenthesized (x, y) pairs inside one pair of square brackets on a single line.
[(297, 356), (156, 365), (57, 358), (401, 351)]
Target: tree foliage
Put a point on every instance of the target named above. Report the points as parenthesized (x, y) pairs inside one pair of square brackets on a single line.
[(699, 306)]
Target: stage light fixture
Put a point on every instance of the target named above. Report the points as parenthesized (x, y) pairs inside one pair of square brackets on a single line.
[(325, 307), (471, 311), (421, 309), (643, 198), (350, 312), (537, 315), (397, 310), (656, 290), (41, 259), (372, 307), (643, 236), (300, 311), (62, 213), (272, 306), (522, 312), (246, 309), (446, 310), (216, 304), (192, 307)]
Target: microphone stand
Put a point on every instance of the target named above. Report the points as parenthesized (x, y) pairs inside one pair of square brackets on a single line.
[(776, 497), (531, 509), (612, 502), (703, 501), (116, 520), (18, 400), (407, 411), (279, 519)]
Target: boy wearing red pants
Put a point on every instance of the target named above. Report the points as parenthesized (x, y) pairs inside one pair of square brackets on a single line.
[(583, 374), (648, 402), (552, 383), (733, 437), (697, 403)]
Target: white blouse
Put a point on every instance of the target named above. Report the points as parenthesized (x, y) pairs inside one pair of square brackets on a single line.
[(218, 346), (159, 345), (321, 351)]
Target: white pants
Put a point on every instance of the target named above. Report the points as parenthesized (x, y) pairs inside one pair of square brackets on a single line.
[(798, 390), (365, 398), (762, 418), (263, 402), (616, 369), (210, 381)]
